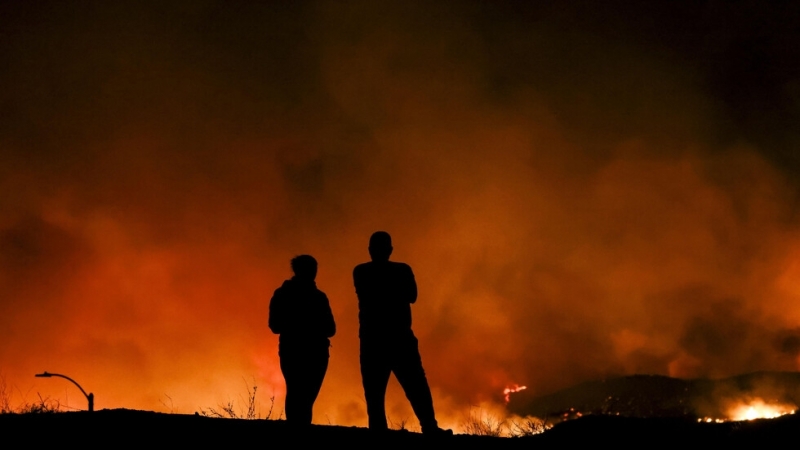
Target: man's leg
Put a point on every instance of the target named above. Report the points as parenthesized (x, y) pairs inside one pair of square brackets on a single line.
[(375, 376), (408, 369)]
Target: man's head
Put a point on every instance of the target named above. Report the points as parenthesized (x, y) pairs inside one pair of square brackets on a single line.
[(304, 267), (380, 246)]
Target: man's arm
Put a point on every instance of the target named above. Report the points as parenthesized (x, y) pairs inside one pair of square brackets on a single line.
[(330, 324), (364, 282), (409, 285), (357, 280)]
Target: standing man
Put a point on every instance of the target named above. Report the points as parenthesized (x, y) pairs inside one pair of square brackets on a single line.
[(301, 314), (385, 291)]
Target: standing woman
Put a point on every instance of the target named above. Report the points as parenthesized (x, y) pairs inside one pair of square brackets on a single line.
[(301, 314)]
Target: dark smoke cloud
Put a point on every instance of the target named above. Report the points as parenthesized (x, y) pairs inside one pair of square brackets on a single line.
[(730, 339), (582, 190)]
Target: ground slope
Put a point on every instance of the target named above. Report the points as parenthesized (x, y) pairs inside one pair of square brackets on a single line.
[(115, 428)]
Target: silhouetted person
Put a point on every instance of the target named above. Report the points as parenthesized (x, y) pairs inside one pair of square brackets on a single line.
[(301, 314), (385, 291)]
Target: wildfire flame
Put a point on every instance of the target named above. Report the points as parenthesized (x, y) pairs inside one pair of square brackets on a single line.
[(758, 409), (512, 389), (754, 409)]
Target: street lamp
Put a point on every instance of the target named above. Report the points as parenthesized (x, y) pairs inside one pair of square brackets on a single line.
[(89, 396)]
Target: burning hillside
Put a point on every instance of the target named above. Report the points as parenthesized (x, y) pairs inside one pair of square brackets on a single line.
[(744, 397)]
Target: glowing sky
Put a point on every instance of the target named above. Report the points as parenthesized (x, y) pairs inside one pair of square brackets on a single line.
[(583, 189)]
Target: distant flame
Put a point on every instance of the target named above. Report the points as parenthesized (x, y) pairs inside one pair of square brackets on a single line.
[(758, 409), (751, 410), (512, 389)]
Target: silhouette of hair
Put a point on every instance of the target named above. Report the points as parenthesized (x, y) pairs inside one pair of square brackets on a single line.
[(304, 266), (380, 246)]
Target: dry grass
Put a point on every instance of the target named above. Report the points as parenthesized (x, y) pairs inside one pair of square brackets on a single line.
[(5, 397), (249, 411), (44, 405), (528, 426), (403, 425), (479, 423), (171, 405)]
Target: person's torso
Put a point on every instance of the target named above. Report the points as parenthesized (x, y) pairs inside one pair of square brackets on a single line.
[(305, 313), (385, 291)]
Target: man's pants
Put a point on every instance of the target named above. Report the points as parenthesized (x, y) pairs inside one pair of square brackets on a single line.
[(379, 358)]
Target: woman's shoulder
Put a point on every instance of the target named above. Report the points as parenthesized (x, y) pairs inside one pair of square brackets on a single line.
[(283, 288)]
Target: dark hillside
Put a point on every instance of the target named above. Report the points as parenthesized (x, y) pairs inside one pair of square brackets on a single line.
[(650, 396)]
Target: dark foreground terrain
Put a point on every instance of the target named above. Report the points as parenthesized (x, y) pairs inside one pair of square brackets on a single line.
[(115, 428)]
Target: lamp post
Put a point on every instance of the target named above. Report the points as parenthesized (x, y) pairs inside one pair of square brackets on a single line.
[(89, 396)]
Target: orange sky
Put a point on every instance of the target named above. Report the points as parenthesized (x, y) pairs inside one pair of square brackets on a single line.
[(577, 198)]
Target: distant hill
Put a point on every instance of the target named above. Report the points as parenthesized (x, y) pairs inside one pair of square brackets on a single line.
[(650, 396)]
